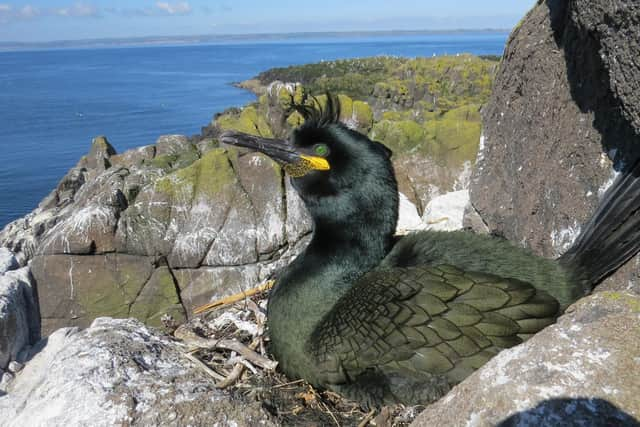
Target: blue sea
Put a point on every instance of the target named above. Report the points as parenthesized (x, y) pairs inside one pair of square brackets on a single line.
[(53, 102)]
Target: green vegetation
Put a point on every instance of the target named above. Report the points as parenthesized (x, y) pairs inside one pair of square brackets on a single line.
[(208, 176), (247, 120), (450, 137), (442, 81), (355, 78), (421, 106)]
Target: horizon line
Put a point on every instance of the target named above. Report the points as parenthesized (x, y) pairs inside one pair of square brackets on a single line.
[(205, 38)]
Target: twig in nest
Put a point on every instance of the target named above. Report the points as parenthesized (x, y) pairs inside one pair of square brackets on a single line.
[(233, 298), (203, 366), (367, 418), (234, 376), (249, 366), (330, 413), (191, 339), (247, 353), (238, 369), (287, 384)]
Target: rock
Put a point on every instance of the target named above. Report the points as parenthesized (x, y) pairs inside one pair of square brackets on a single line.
[(19, 317), (583, 370), (201, 285), (262, 180), (408, 218), (158, 297), (7, 261), (134, 157), (15, 367), (73, 290), (107, 241), (5, 380), (98, 157), (118, 372), (172, 145), (421, 179), (445, 212), (67, 188), (562, 119)]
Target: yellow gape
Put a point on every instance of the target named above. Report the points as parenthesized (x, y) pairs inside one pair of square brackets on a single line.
[(306, 165)]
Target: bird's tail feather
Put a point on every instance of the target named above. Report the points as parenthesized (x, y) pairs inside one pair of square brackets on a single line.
[(612, 235)]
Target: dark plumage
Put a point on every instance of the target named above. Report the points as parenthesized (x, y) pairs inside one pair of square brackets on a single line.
[(381, 320)]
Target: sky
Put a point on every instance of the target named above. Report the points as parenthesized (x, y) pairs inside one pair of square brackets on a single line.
[(50, 20)]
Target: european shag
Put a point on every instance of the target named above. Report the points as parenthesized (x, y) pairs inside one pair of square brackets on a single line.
[(384, 320)]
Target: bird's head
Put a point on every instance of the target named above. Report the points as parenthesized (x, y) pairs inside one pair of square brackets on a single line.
[(323, 156), (345, 179)]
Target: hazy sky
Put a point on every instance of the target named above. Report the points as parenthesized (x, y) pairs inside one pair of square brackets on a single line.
[(46, 20)]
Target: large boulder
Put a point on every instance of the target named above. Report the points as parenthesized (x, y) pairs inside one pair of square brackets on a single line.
[(561, 122), (118, 372), (582, 371)]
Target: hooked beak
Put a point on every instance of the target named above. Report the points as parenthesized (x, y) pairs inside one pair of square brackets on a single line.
[(279, 150)]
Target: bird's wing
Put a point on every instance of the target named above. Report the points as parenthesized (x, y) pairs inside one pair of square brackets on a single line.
[(428, 320)]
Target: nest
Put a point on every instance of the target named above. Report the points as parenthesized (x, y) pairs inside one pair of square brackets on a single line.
[(230, 344)]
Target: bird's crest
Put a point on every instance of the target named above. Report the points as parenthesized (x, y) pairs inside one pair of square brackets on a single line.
[(319, 113)]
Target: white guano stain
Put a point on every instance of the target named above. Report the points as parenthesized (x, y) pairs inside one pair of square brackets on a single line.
[(561, 240)]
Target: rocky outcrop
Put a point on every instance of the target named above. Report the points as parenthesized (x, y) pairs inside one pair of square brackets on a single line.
[(155, 231), (118, 372), (581, 371), (561, 122)]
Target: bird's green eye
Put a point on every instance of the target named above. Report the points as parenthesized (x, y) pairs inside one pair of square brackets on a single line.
[(321, 150)]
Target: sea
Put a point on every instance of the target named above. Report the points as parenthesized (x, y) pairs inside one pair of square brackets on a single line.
[(53, 102)]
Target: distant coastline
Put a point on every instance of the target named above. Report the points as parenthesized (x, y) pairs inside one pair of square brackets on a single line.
[(222, 38)]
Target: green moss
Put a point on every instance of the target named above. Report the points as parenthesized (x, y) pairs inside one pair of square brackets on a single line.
[(249, 121), (346, 107), (450, 138), (114, 285), (158, 297), (405, 136), (295, 119), (162, 162), (174, 161), (454, 137), (209, 176), (363, 114)]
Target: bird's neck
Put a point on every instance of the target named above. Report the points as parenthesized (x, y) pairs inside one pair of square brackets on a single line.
[(344, 246)]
